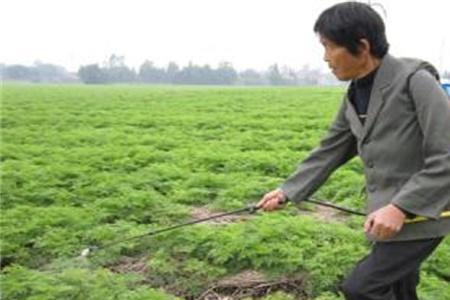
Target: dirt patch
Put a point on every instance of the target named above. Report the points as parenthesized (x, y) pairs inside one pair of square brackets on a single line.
[(326, 214), (322, 213), (204, 212), (243, 285), (131, 264), (255, 285)]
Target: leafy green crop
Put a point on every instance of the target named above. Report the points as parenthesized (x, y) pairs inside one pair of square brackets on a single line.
[(83, 165), (72, 283)]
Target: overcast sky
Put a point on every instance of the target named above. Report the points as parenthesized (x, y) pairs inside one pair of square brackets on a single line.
[(248, 33)]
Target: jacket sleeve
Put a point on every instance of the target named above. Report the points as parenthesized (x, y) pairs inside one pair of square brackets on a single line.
[(335, 149), (427, 192)]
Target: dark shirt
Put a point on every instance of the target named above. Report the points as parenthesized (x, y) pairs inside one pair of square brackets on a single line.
[(359, 94)]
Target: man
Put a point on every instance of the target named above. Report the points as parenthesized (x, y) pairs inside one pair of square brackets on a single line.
[(396, 117)]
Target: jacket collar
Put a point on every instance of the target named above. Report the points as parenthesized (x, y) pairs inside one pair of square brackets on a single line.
[(383, 78)]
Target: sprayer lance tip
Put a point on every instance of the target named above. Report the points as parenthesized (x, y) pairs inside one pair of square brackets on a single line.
[(85, 252)]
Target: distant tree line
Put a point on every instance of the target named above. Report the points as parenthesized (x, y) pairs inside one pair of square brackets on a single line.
[(114, 70), (39, 72)]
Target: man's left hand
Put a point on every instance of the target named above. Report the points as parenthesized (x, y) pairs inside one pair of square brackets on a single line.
[(385, 222)]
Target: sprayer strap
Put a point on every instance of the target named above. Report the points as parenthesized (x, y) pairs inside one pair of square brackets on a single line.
[(445, 214)]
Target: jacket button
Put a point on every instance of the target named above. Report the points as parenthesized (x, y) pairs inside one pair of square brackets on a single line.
[(372, 188), (370, 164)]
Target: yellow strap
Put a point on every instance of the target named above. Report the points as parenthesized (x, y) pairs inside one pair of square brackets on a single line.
[(445, 214)]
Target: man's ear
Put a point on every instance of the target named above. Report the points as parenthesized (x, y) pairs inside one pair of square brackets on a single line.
[(364, 46)]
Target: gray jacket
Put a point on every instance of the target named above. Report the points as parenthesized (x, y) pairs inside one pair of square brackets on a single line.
[(404, 146)]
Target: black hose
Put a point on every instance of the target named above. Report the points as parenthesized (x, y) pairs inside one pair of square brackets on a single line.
[(248, 209), (347, 210)]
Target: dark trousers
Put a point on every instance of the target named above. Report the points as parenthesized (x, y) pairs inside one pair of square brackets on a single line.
[(389, 272)]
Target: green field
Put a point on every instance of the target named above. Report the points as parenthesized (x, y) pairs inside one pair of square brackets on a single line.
[(85, 165)]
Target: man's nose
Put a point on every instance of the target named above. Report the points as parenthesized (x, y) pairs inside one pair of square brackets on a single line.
[(325, 57)]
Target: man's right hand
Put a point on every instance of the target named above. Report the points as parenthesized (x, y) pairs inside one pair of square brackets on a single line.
[(272, 200)]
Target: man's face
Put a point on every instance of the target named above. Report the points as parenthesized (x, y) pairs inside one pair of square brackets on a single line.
[(344, 65)]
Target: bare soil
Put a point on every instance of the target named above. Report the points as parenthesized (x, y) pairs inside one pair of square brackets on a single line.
[(247, 284), (255, 285)]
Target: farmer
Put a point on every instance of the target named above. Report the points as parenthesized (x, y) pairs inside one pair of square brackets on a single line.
[(396, 117)]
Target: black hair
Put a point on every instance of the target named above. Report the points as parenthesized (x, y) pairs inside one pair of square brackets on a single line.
[(347, 23)]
